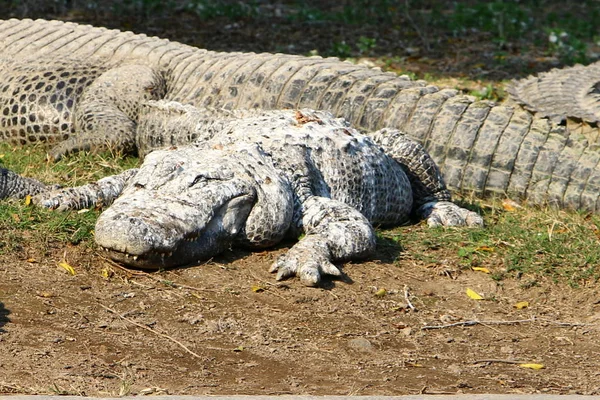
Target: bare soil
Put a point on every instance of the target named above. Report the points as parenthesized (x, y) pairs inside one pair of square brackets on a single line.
[(227, 327)]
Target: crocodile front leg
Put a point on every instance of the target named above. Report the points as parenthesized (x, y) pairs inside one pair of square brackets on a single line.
[(334, 231), (106, 115), (97, 194)]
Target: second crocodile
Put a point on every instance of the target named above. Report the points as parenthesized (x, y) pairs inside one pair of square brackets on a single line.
[(79, 87)]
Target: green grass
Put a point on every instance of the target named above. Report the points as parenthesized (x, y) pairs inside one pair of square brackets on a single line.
[(563, 30), (22, 224), (525, 244), (76, 169)]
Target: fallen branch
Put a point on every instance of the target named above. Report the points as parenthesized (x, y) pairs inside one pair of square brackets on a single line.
[(146, 327)]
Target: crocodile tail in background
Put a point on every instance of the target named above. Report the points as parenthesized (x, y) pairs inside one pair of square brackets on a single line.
[(561, 93)]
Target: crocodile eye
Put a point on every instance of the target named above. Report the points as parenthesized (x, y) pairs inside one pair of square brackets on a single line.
[(198, 179)]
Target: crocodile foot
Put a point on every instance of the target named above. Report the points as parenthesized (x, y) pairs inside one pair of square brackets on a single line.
[(309, 259), (445, 213)]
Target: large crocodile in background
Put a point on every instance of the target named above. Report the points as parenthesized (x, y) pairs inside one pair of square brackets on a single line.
[(79, 87)]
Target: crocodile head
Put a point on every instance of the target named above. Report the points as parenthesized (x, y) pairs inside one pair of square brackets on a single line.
[(184, 205)]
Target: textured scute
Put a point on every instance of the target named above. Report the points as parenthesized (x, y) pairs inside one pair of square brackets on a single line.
[(293, 163), (37, 98), (281, 158), (561, 93), (340, 162), (15, 186)]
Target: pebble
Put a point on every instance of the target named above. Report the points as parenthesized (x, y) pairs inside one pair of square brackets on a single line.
[(361, 344)]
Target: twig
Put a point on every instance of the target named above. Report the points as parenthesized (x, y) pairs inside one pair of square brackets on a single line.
[(165, 282), (565, 324), (494, 360), (407, 298), (518, 321), (490, 327), (151, 330), (463, 323), (474, 322)]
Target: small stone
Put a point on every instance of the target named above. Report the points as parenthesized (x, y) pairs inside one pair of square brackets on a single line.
[(361, 344), (454, 369)]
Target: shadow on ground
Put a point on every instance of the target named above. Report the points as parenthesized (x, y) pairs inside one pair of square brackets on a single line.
[(3, 316)]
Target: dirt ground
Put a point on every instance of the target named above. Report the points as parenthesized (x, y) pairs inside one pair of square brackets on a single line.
[(227, 327), (396, 324)]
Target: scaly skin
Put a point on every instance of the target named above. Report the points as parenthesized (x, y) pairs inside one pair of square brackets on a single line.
[(561, 93), (15, 186), (79, 87), (252, 178)]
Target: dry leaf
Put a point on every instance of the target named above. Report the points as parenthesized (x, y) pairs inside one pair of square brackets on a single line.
[(474, 295), (27, 200), (381, 292), (16, 218), (258, 288), (107, 273), (532, 366), (510, 205), (481, 269), (485, 248), (31, 260), (521, 305), (64, 265)]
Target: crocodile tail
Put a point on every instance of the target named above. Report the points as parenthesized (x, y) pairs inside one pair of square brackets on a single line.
[(489, 149), (561, 93), (16, 186)]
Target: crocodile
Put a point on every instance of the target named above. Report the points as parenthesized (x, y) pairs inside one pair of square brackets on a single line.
[(253, 177), (78, 87)]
